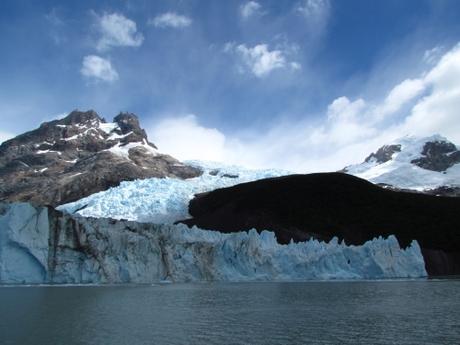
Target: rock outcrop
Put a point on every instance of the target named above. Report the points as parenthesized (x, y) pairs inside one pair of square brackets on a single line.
[(383, 154), (438, 156), (323, 206), (81, 154), (41, 245)]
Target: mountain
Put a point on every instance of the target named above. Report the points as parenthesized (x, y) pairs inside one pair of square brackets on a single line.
[(429, 164), (327, 205), (68, 159)]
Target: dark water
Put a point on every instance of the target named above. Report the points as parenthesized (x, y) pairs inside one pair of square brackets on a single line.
[(401, 312)]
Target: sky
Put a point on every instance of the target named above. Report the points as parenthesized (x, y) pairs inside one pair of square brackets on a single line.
[(302, 85)]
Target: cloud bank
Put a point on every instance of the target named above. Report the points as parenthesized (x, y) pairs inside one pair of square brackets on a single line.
[(190, 139), (349, 131)]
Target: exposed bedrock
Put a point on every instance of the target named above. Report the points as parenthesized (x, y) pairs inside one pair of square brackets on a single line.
[(325, 205), (68, 159)]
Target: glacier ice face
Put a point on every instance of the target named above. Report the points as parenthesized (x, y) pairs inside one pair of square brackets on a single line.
[(23, 243), (64, 249), (162, 200)]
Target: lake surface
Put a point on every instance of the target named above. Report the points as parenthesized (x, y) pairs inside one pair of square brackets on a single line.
[(388, 312)]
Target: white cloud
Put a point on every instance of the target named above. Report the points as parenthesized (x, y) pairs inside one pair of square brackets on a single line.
[(313, 8), (170, 19), (316, 14), (250, 9), (432, 56), (117, 31), (4, 136), (400, 95), (438, 111), (259, 60), (296, 65), (341, 109), (56, 29), (184, 138), (345, 124), (98, 68), (53, 17), (347, 133)]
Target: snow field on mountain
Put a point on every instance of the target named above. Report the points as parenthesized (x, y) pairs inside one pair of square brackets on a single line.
[(401, 173)]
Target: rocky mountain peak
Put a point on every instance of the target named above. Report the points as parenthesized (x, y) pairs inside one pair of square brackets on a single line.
[(127, 122), (129, 126), (438, 155), (383, 154), (80, 117), (50, 164), (423, 164)]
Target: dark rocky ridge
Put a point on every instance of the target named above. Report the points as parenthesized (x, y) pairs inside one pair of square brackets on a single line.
[(68, 159), (438, 156), (383, 154), (325, 205)]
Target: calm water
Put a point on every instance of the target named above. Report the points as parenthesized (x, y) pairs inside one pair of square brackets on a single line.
[(401, 312)]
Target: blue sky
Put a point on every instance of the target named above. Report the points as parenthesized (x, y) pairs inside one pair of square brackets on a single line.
[(302, 85)]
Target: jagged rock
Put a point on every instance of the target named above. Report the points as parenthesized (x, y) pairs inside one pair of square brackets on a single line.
[(438, 156), (68, 159), (129, 123), (383, 154)]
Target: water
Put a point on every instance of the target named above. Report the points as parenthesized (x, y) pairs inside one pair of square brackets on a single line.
[(397, 312)]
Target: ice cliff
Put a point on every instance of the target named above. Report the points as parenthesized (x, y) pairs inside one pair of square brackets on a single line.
[(41, 245)]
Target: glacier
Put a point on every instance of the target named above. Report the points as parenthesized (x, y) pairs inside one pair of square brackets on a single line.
[(163, 200), (39, 245)]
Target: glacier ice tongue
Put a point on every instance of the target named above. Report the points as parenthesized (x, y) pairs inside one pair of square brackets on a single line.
[(81, 250), (162, 200)]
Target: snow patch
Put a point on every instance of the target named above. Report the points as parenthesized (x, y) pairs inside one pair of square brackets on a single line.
[(40, 152), (108, 127), (123, 150), (77, 174), (115, 136)]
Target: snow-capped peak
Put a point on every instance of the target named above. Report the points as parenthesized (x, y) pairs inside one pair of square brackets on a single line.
[(49, 165), (410, 162)]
